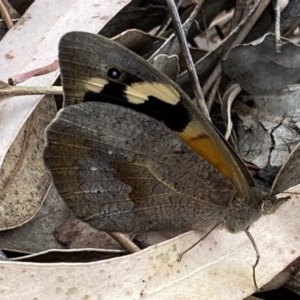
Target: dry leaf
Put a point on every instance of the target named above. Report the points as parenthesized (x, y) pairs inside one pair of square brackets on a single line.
[(270, 126), (289, 173), (77, 234), (219, 268), (24, 180), (142, 43), (71, 255), (37, 234), (37, 43), (259, 70)]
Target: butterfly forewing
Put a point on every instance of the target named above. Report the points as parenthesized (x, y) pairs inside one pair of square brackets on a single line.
[(115, 160), (95, 68)]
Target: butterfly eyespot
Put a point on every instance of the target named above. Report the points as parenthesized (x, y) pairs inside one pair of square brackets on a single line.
[(114, 73)]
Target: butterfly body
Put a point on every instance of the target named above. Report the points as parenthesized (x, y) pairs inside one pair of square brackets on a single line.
[(114, 157)]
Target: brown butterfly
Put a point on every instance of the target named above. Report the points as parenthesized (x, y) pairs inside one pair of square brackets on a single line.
[(114, 157)]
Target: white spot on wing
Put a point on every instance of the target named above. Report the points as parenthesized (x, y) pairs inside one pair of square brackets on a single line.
[(139, 92), (96, 84)]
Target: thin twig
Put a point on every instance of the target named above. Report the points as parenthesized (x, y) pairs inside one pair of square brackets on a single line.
[(11, 91), (206, 32), (187, 55), (277, 27), (33, 73), (5, 15), (213, 93), (251, 20), (165, 47), (125, 242), (166, 24), (238, 13), (214, 75), (228, 100), (189, 21), (14, 15)]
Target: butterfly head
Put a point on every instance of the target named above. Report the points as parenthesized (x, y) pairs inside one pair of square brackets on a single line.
[(240, 215)]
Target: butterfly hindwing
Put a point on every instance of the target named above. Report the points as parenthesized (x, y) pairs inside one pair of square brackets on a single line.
[(121, 170)]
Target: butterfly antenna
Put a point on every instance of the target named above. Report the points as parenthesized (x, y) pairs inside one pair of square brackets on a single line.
[(196, 243), (250, 237)]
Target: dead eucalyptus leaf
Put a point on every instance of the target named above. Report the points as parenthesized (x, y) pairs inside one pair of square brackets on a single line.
[(221, 260), (140, 14), (24, 180), (259, 70), (279, 280), (70, 255), (168, 64), (37, 234), (76, 234), (294, 282), (269, 127), (289, 174), (140, 42)]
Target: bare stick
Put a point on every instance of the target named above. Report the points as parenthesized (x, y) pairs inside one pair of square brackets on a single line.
[(213, 93), (124, 241), (11, 91), (36, 72), (5, 15), (164, 26), (187, 24), (229, 98), (187, 55), (277, 27)]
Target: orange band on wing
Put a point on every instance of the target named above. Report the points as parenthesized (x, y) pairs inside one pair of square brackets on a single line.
[(201, 143)]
